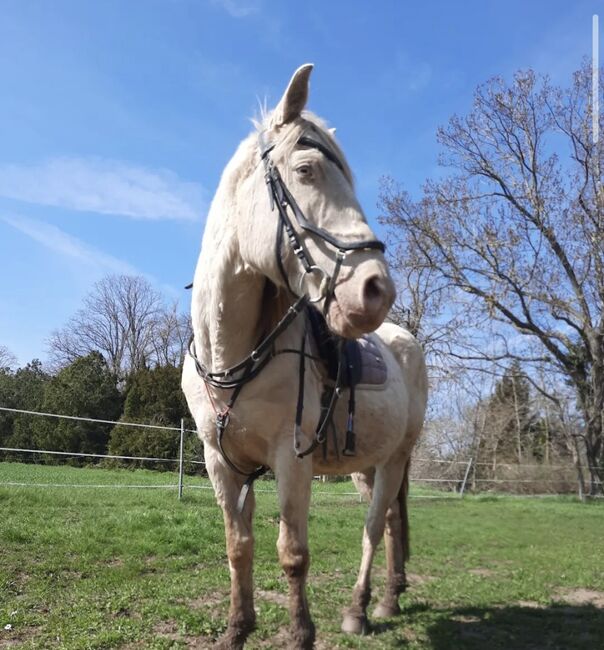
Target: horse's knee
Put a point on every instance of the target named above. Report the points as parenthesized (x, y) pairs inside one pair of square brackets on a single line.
[(240, 550), (393, 516), (393, 523), (294, 560)]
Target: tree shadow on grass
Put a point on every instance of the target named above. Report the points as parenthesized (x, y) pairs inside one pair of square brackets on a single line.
[(559, 627)]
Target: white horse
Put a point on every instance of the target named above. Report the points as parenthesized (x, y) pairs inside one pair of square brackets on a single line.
[(265, 255)]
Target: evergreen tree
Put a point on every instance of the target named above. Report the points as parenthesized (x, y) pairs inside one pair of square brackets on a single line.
[(85, 388), (154, 397), (23, 389), (509, 420)]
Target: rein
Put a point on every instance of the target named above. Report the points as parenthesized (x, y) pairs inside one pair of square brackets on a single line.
[(235, 377)]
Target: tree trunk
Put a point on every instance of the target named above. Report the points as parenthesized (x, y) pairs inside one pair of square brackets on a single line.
[(594, 432), (595, 457)]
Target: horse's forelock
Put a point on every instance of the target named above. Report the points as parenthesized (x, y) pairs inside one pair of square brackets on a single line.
[(288, 136)]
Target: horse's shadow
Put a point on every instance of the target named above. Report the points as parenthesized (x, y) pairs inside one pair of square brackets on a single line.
[(516, 627)]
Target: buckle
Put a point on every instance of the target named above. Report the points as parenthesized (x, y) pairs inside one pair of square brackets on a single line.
[(324, 279)]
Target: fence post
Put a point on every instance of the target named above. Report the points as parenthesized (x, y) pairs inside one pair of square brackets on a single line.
[(580, 479), (465, 479), (181, 468)]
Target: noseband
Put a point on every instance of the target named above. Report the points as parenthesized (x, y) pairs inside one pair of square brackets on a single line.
[(280, 196), (235, 377)]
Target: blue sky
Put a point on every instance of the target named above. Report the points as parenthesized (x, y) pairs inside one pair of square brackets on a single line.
[(117, 118)]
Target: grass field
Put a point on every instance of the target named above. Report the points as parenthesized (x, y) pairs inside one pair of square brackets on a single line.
[(134, 568)]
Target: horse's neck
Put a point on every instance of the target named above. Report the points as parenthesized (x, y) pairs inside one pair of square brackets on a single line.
[(230, 305), (227, 310)]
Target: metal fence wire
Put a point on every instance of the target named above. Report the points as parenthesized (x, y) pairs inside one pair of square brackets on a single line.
[(439, 478)]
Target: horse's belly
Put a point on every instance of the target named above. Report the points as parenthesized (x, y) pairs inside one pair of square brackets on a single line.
[(380, 428)]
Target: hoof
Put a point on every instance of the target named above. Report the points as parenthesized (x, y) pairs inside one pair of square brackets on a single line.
[(386, 611), (303, 638), (355, 624), (228, 642), (235, 636)]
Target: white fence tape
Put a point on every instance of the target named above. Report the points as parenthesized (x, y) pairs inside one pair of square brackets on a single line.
[(455, 480)]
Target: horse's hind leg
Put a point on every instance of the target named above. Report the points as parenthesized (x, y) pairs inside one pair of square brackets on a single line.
[(294, 477), (396, 541), (386, 485), (240, 550)]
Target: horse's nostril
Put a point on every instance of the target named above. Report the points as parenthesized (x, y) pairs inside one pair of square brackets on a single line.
[(374, 290)]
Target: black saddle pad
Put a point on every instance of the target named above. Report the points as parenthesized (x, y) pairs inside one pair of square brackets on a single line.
[(362, 359)]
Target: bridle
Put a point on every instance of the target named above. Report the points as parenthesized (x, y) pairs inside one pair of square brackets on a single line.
[(280, 196), (235, 377)]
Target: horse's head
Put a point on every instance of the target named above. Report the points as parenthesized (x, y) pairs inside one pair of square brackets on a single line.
[(308, 233)]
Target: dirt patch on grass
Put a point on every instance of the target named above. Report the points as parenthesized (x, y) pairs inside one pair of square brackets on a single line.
[(15, 586), (169, 630), (581, 597), (466, 618), (208, 601), (415, 579), (482, 572), (273, 597), (530, 604), (283, 640), (15, 638), (323, 577)]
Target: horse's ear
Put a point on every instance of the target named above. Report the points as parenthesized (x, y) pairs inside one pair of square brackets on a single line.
[(295, 97)]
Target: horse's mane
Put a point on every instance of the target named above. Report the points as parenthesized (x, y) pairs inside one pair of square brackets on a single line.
[(275, 302)]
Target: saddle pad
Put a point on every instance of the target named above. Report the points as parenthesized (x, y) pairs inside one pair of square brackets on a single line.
[(373, 367), (363, 360)]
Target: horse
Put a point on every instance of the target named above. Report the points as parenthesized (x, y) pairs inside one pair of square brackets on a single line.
[(253, 383)]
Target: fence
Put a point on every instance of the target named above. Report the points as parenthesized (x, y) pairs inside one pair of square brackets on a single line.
[(430, 477), (519, 479)]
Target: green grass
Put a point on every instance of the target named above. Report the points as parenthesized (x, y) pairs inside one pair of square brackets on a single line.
[(134, 568)]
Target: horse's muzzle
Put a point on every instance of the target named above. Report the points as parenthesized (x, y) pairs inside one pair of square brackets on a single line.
[(353, 313)]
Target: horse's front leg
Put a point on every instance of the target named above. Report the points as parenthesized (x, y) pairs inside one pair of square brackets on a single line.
[(294, 477), (240, 549)]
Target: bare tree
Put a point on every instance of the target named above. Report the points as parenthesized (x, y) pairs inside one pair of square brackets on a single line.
[(171, 335), (518, 228), (7, 358), (117, 319)]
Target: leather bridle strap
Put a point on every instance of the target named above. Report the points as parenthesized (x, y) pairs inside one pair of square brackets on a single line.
[(280, 195), (249, 367), (305, 141)]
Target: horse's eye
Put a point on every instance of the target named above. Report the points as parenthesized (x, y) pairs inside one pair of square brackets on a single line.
[(304, 171)]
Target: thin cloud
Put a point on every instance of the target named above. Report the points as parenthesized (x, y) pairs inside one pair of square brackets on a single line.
[(97, 262), (105, 187), (237, 9), (405, 77), (66, 245)]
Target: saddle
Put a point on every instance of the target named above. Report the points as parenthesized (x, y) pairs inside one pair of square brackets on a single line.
[(356, 361)]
